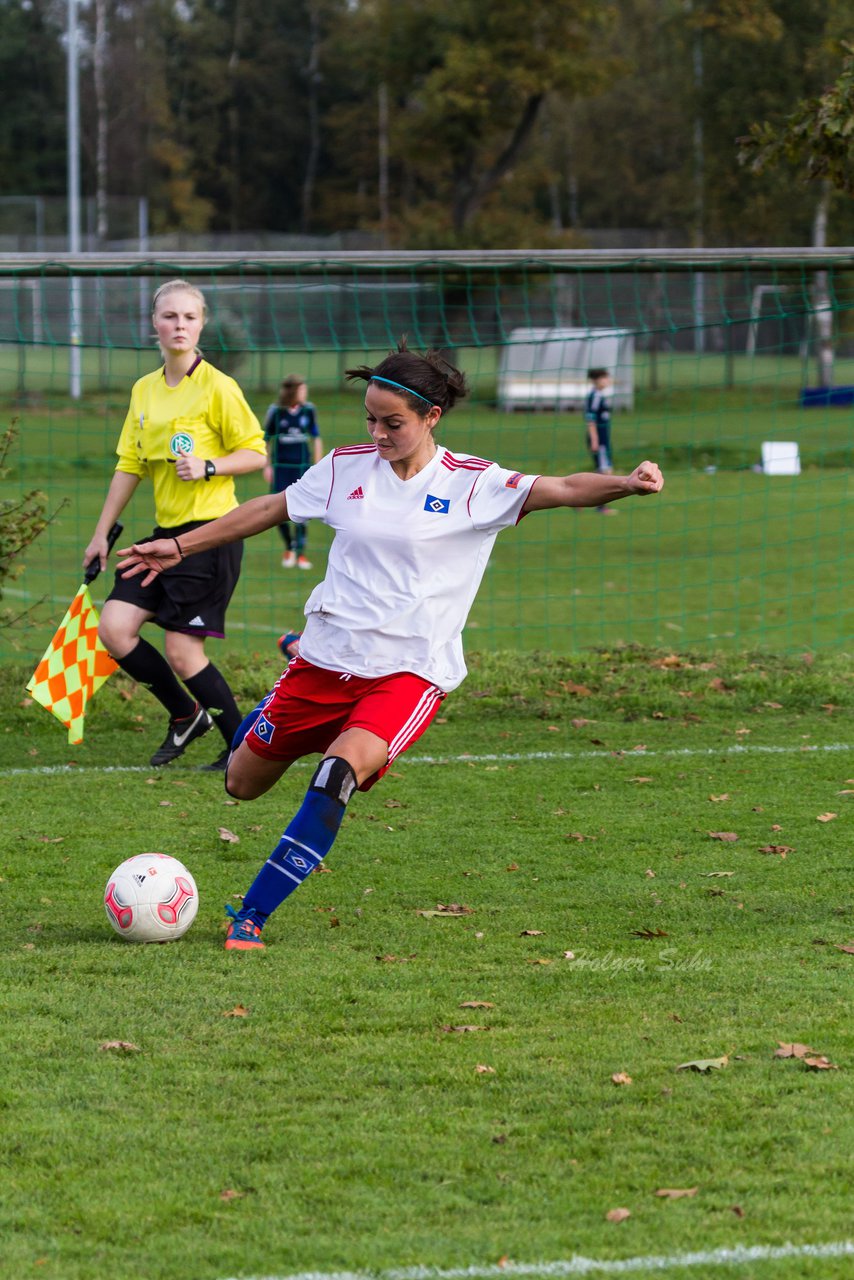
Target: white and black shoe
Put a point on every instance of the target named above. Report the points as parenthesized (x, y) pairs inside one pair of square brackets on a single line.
[(180, 734)]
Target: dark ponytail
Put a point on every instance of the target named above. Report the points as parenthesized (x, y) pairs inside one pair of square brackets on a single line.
[(429, 379)]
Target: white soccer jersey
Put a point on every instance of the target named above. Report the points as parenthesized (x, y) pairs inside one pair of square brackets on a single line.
[(407, 558)]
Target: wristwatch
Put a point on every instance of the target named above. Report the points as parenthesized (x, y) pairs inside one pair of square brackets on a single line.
[(210, 469)]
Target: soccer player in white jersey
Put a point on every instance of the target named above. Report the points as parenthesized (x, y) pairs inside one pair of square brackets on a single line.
[(414, 527)]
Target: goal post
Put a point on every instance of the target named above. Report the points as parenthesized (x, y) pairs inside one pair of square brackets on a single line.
[(732, 554)]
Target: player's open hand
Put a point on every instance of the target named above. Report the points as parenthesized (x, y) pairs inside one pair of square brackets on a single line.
[(645, 479), (149, 558)]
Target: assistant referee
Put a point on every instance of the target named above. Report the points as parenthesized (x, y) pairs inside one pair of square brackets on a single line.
[(190, 431)]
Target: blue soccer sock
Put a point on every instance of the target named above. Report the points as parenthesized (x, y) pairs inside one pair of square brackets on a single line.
[(307, 839)]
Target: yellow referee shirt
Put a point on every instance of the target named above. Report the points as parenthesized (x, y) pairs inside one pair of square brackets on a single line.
[(206, 414)]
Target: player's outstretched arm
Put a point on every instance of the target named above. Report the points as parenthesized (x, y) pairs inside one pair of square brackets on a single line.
[(244, 521), (590, 489)]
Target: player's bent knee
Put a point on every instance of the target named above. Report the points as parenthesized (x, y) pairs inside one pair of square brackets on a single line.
[(249, 776), (336, 778)]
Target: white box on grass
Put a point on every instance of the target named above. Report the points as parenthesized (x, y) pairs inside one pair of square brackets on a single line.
[(781, 458)]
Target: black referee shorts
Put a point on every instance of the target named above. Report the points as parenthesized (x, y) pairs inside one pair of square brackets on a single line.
[(191, 597)]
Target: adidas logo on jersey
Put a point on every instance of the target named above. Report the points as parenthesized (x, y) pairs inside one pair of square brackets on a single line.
[(196, 622), (357, 493)]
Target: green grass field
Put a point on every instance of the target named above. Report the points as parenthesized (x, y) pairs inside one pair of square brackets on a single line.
[(726, 557), (344, 1121)]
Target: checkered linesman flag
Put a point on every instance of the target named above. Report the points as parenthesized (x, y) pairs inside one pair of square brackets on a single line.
[(75, 663)]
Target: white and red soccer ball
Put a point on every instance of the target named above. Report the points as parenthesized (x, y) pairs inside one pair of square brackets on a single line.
[(151, 897)]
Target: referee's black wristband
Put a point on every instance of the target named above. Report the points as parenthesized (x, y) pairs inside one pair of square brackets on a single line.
[(178, 545)]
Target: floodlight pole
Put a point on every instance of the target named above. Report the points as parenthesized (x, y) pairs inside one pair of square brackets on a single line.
[(73, 146)]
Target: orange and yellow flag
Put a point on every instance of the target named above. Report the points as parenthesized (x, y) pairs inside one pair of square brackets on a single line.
[(74, 666)]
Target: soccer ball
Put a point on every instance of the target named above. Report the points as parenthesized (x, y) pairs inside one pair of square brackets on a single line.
[(151, 898)]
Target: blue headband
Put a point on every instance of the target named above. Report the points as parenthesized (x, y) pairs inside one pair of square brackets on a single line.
[(401, 387)]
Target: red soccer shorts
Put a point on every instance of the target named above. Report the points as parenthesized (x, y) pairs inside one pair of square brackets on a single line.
[(310, 706)]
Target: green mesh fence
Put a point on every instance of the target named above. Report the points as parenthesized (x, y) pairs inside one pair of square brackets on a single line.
[(713, 359)]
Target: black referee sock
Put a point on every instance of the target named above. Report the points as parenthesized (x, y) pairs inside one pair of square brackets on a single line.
[(146, 665), (209, 687)]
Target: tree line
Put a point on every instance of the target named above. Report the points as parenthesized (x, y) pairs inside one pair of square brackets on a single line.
[(429, 123)]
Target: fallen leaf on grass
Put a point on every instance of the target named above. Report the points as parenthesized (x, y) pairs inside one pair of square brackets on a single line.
[(704, 1065), (389, 959), (513, 866), (483, 1070), (576, 835), (716, 875), (847, 947), (820, 1063), (50, 839), (477, 1004), (676, 1193), (648, 933), (579, 722), (540, 961), (670, 660), (793, 1050), (119, 1046), (228, 836), (640, 779), (569, 955), (464, 1028), (578, 690), (228, 1193), (718, 799), (826, 817), (531, 933), (780, 849), (448, 909), (723, 835), (239, 1011), (618, 1215), (737, 1210), (620, 1077), (166, 804)]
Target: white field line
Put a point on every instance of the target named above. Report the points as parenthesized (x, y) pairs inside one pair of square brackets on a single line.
[(581, 1266), (505, 757)]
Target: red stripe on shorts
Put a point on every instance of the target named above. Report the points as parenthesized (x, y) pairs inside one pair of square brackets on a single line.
[(411, 729)]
